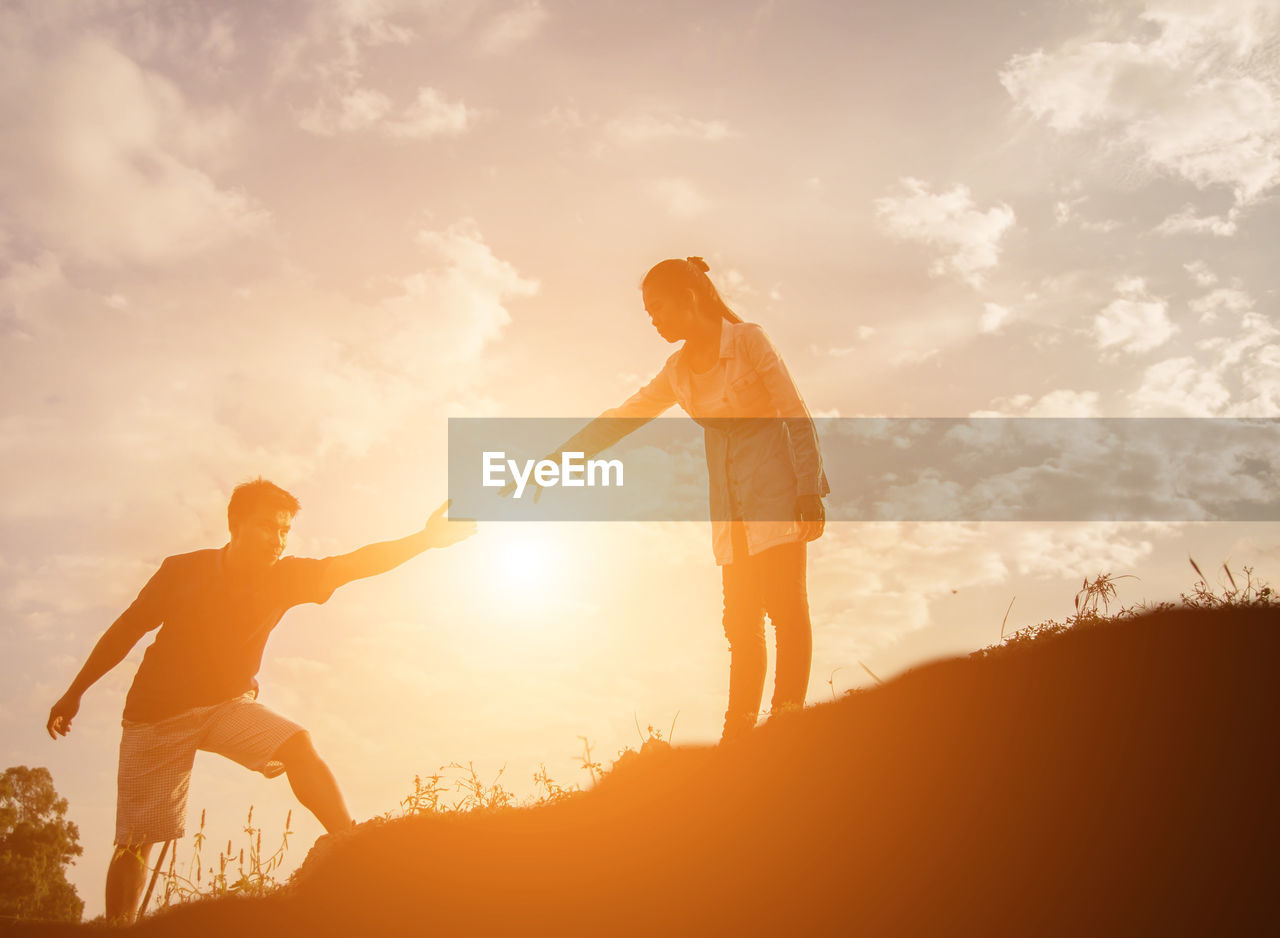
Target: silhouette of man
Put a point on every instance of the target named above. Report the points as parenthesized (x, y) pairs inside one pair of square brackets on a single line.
[(196, 687)]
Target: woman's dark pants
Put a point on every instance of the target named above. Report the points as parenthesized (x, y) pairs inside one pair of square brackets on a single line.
[(771, 582)]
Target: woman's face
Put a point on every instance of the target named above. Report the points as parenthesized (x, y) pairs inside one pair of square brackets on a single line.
[(672, 314)]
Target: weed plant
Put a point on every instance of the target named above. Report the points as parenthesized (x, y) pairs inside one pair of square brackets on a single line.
[(1093, 605), (239, 872)]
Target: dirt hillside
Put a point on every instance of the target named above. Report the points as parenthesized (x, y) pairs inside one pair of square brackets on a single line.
[(1120, 779)]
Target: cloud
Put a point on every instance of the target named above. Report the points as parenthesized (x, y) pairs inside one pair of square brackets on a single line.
[(1201, 273), (128, 189), (1062, 402), (644, 128), (23, 281), (1069, 468), (993, 317), (1082, 550), (679, 197), (1221, 300), (338, 34), (329, 57), (967, 237), (1191, 89), (1064, 211), (1180, 387), (913, 356), (358, 109), (186, 33), (513, 26), (430, 114), (1188, 221), (565, 117), (1135, 321), (885, 573), (459, 301), (65, 585), (864, 334), (286, 381), (1065, 403), (875, 575), (1235, 375)]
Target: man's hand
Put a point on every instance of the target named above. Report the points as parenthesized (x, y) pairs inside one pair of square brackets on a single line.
[(61, 714), (442, 531), (376, 559), (812, 516)]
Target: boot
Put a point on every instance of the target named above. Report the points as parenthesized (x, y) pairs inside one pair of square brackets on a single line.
[(737, 725)]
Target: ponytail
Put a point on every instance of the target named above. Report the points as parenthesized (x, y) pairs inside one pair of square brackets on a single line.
[(672, 275)]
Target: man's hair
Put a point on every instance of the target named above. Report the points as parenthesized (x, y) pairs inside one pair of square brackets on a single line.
[(248, 497)]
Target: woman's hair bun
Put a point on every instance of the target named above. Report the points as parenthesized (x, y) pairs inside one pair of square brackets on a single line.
[(698, 263)]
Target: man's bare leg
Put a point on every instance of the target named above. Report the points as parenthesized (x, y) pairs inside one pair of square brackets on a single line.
[(126, 878), (313, 783)]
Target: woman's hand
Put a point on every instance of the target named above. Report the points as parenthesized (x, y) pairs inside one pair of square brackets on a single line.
[(812, 516), (510, 489)]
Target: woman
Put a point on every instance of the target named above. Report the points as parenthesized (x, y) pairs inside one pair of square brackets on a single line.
[(765, 470)]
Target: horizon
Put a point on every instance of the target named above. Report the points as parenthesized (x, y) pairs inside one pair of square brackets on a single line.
[(294, 243)]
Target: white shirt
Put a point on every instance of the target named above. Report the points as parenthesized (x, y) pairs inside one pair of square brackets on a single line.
[(756, 468)]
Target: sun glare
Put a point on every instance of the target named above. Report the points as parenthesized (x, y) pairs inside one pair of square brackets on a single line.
[(528, 560)]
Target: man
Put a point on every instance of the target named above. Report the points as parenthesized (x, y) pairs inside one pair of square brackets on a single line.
[(196, 687)]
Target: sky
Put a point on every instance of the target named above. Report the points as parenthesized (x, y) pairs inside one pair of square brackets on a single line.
[(293, 239)]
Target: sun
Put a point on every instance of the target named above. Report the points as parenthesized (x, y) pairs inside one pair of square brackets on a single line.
[(528, 559)]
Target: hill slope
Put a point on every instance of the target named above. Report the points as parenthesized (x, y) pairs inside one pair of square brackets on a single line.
[(1118, 779)]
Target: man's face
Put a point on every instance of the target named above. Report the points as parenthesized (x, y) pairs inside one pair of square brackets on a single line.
[(260, 538)]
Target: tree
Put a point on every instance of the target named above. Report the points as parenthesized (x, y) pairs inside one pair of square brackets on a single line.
[(36, 843)]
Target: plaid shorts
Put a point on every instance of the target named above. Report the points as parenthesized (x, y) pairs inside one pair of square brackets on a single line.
[(156, 761)]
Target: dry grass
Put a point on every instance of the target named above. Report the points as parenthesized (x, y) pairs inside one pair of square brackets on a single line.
[(1093, 601), (454, 788)]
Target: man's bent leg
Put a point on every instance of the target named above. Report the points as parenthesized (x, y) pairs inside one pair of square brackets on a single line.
[(262, 740), (313, 783), (126, 878)]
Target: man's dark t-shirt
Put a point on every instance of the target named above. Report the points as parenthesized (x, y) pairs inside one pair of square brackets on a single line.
[(213, 629)]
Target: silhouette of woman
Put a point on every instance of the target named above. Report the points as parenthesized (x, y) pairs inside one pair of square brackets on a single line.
[(765, 471)]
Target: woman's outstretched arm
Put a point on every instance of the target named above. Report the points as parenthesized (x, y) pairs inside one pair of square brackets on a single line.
[(614, 424), (632, 414)]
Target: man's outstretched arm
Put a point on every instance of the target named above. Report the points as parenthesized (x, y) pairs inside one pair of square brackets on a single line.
[(373, 559), (116, 642)]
